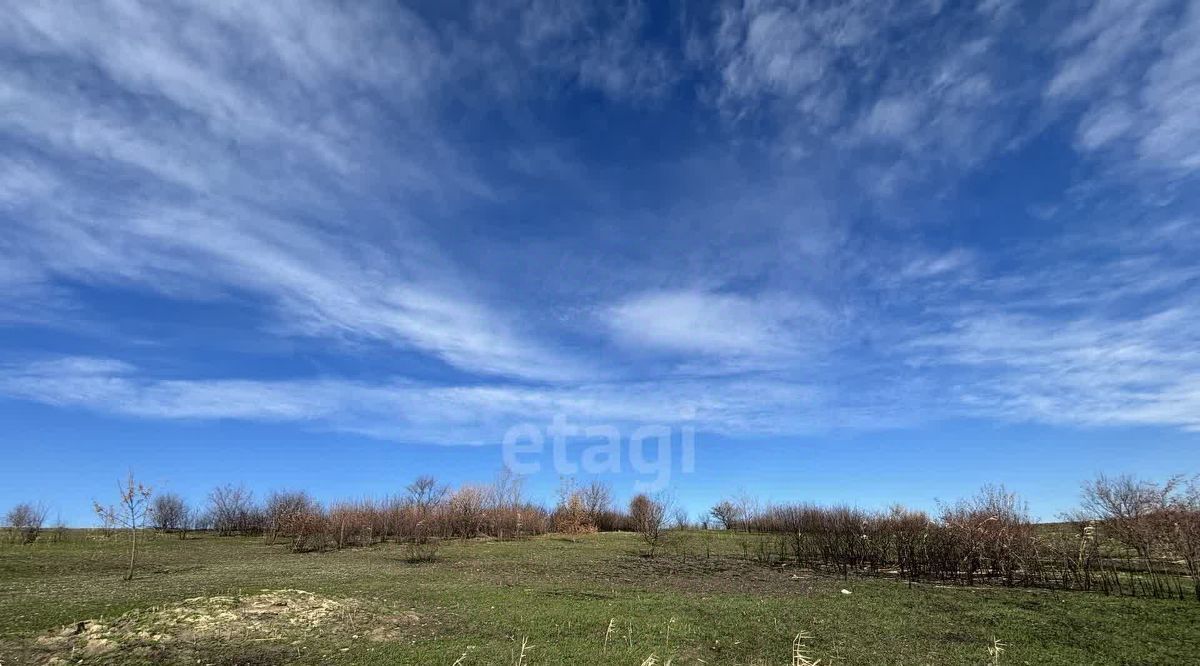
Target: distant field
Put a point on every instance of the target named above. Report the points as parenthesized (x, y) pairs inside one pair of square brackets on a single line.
[(588, 600)]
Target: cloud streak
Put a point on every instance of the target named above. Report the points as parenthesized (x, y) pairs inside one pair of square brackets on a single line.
[(788, 217)]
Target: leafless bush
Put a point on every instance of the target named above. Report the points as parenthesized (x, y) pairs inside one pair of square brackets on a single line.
[(464, 511), (425, 493), (352, 523), (992, 532), (727, 514), (309, 530), (1159, 522), (107, 524), (1184, 530), (231, 510), (748, 508), (280, 510), (59, 533), (295, 516), (25, 522), (988, 535), (507, 513), (649, 517), (598, 501), (169, 513), (991, 537)]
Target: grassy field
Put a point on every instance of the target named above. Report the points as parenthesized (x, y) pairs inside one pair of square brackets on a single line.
[(589, 600)]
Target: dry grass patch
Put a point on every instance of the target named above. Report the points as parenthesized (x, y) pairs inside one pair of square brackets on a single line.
[(285, 618)]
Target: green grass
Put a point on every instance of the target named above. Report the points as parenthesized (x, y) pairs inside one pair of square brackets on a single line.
[(484, 597)]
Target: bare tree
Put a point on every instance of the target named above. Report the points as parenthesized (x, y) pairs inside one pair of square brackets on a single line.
[(748, 509), (1129, 509), (992, 529), (232, 511), (107, 526), (649, 516), (1146, 516), (169, 513), (506, 491), (287, 512), (130, 513), (25, 522), (727, 513), (1184, 535), (597, 501), (465, 510), (425, 493)]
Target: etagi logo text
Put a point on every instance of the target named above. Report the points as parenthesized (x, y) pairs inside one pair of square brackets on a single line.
[(524, 449)]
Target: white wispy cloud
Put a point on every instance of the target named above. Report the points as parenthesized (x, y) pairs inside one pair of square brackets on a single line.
[(1090, 371), (1133, 67), (721, 325), (600, 46), (323, 165), (217, 126), (1106, 334), (938, 97), (776, 50), (408, 411), (1101, 44), (1171, 95)]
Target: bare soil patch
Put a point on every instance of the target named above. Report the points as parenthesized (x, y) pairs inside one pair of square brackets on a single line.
[(260, 628)]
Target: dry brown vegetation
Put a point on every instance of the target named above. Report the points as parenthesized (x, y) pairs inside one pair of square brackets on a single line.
[(1129, 537)]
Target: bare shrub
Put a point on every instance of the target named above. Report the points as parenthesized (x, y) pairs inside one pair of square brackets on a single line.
[(25, 522), (989, 535), (169, 513), (1147, 517), (231, 511), (107, 524), (59, 533), (308, 529), (748, 509), (280, 509), (295, 516), (1184, 530), (1130, 510), (598, 501), (649, 516), (910, 534), (992, 532), (727, 514), (507, 513), (464, 511), (352, 523), (425, 493), (430, 510)]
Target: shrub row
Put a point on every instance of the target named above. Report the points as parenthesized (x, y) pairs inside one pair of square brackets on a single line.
[(1128, 537)]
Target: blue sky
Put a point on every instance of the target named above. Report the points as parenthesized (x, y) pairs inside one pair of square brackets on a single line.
[(869, 251)]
